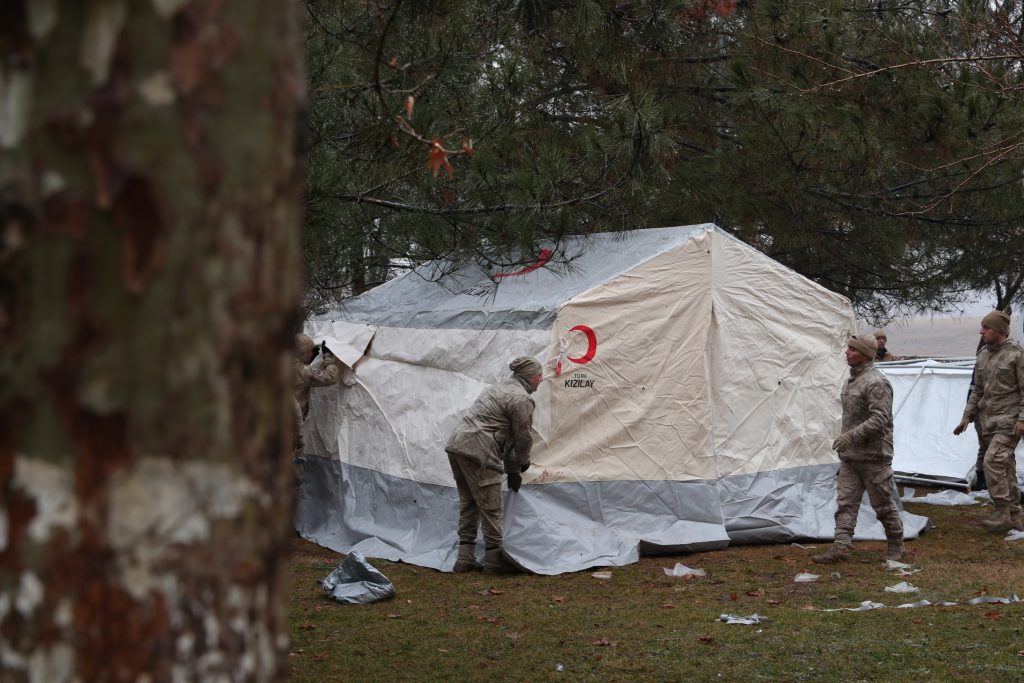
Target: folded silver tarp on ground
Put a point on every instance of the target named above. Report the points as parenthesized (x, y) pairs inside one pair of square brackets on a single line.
[(691, 395), (928, 401)]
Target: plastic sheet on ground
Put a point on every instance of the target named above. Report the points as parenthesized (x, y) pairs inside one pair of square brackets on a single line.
[(736, 619), (864, 607), (682, 570), (602, 575), (356, 582), (985, 599), (946, 497), (804, 577), (1014, 535), (902, 587), (901, 568), (911, 605)]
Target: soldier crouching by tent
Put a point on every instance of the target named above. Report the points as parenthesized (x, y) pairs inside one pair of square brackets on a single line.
[(865, 454), (494, 436)]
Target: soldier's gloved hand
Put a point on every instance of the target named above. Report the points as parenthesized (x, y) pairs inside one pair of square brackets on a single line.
[(523, 468), (515, 480), (1018, 429), (961, 427), (842, 443)]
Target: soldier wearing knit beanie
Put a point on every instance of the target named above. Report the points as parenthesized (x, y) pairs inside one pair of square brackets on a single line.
[(994, 406), (866, 344)]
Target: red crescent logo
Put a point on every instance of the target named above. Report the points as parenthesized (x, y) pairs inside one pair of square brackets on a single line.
[(591, 344), (542, 258)]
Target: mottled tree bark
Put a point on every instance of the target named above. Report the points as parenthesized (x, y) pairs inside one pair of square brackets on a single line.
[(149, 280)]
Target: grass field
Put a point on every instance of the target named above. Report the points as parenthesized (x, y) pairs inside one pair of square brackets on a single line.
[(644, 625)]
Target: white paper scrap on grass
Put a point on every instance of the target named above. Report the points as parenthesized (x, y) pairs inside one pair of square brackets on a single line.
[(682, 570), (902, 587), (946, 497), (911, 605), (1014, 535), (864, 607), (736, 619), (602, 575), (986, 599), (804, 577)]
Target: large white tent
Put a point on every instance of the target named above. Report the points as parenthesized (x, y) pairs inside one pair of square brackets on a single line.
[(691, 397), (928, 401)]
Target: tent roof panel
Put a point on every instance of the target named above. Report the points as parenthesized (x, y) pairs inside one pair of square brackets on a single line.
[(471, 299)]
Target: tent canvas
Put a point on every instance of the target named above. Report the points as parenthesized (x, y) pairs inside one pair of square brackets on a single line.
[(690, 400), (928, 401)]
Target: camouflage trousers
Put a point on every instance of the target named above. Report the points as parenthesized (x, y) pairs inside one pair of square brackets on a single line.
[(1001, 471), (853, 480), (479, 501)]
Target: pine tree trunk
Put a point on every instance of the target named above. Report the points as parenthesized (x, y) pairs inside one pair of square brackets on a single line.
[(149, 280)]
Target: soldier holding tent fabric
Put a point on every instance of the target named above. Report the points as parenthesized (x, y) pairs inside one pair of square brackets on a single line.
[(865, 454), (996, 406), (493, 437), (307, 377)]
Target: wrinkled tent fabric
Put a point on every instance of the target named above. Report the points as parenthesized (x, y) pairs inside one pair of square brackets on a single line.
[(691, 396), (928, 401)]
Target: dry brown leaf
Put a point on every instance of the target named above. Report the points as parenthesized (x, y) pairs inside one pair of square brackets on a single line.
[(604, 642), (437, 158), (320, 657), (706, 638), (557, 598), (307, 627), (394, 616)]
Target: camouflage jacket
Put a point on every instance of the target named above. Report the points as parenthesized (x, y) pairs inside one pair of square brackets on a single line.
[(501, 416), (867, 415), (997, 400), (307, 377)]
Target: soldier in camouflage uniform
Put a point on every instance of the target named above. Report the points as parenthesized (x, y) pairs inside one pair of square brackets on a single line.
[(307, 377), (865, 454), (492, 438), (882, 354), (996, 406)]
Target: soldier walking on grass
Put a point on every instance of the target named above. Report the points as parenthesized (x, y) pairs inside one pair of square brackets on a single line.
[(996, 406), (865, 454), (492, 438)]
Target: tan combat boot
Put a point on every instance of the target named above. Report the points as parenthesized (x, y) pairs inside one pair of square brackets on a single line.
[(495, 563), (466, 561), (895, 551), (837, 552), (1015, 520), (1000, 521)]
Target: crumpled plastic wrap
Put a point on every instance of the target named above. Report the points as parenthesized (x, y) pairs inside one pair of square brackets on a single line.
[(902, 587), (737, 619), (356, 582), (682, 570)]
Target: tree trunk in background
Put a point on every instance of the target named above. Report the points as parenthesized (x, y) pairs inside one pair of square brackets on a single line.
[(149, 280)]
